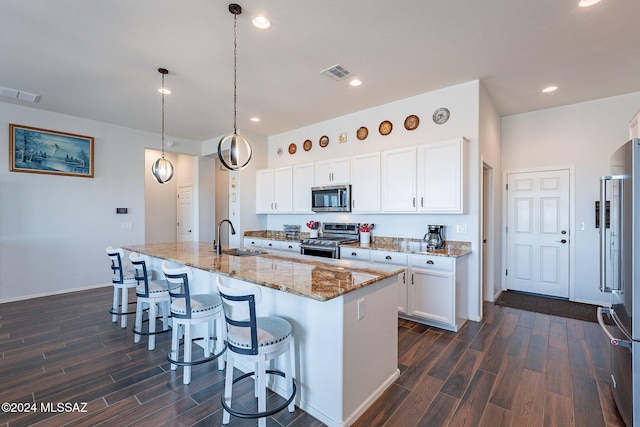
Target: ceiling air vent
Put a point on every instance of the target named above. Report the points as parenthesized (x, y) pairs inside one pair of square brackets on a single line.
[(336, 72), (19, 94)]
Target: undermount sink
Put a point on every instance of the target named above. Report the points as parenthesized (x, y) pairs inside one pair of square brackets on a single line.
[(240, 252)]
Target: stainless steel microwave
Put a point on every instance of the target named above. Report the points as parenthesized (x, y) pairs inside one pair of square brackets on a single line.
[(335, 198)]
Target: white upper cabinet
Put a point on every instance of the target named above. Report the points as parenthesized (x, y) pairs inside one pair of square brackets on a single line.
[(365, 183), (302, 183), (274, 190), (441, 176), (265, 192), (333, 172), (399, 180)]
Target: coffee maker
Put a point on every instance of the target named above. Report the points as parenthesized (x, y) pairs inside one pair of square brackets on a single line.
[(434, 237)]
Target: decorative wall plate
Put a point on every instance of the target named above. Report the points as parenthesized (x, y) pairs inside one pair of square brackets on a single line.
[(362, 133), (441, 115), (307, 145), (324, 141), (292, 148), (411, 122), (385, 127)]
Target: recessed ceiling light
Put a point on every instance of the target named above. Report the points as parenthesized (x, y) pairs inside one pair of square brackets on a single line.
[(587, 3), (549, 89), (355, 82), (261, 22), (165, 91), (255, 119)]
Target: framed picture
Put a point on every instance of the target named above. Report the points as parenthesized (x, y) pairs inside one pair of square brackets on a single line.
[(36, 150)]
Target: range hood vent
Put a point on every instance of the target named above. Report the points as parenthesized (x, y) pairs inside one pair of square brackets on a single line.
[(336, 72)]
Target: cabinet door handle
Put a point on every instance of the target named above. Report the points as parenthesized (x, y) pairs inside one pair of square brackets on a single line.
[(270, 244), (387, 257), (414, 202), (290, 246), (354, 254), (353, 203), (412, 278), (404, 277), (422, 202), (429, 262), (276, 206)]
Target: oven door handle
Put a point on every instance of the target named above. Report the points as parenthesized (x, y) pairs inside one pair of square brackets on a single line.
[(612, 339)]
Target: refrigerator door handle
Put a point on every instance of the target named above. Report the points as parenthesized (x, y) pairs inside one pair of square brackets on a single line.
[(602, 218), (612, 339)]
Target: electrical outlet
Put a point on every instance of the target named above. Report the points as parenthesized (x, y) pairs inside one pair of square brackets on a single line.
[(461, 228), (360, 304), (126, 226)]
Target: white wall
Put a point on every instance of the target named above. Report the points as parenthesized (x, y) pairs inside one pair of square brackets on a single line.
[(491, 155), (54, 229), (240, 195), (584, 135), (463, 103)]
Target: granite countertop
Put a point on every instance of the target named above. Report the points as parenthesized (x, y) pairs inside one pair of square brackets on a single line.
[(313, 277), (452, 248)]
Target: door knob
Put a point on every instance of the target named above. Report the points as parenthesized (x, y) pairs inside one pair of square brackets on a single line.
[(562, 241)]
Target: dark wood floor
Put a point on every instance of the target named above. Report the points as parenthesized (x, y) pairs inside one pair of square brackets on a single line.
[(515, 368)]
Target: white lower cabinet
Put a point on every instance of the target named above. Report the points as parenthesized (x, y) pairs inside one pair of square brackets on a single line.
[(354, 253), (252, 242), (437, 290), (399, 259)]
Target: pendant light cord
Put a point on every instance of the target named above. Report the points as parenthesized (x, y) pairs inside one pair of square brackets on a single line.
[(163, 115), (235, 71)]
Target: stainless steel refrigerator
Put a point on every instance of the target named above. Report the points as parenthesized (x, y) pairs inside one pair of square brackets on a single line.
[(619, 221)]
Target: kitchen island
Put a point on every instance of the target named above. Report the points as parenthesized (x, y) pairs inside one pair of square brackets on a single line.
[(343, 315)]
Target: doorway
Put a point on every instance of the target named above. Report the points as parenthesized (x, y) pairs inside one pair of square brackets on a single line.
[(185, 213), (538, 243), (487, 232)]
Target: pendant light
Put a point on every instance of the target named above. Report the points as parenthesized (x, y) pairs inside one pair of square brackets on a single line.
[(162, 169), (234, 151)]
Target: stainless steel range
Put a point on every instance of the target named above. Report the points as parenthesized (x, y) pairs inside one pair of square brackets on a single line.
[(333, 235)]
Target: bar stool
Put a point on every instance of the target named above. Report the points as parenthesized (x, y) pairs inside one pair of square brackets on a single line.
[(255, 340), (188, 309), (152, 294), (122, 282)]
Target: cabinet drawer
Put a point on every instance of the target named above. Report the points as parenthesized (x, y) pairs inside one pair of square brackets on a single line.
[(354, 253), (432, 262), (290, 246), (250, 242), (388, 257), (271, 244)]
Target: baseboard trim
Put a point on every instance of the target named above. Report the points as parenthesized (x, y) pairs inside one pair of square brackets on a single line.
[(47, 294)]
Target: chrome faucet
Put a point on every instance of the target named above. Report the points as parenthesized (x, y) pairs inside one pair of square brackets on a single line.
[(219, 246)]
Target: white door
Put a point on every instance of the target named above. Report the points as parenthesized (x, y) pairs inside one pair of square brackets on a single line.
[(185, 213), (538, 232)]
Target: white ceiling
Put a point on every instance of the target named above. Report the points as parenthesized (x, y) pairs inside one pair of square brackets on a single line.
[(99, 59)]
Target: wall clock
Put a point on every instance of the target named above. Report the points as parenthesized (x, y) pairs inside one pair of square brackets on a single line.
[(441, 115)]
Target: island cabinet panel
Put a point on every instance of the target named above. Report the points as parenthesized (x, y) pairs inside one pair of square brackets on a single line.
[(441, 176), (274, 190), (399, 180), (365, 183), (333, 171)]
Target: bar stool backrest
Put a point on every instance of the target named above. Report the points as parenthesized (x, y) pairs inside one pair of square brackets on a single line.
[(116, 256), (239, 305), (140, 263), (181, 276)]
